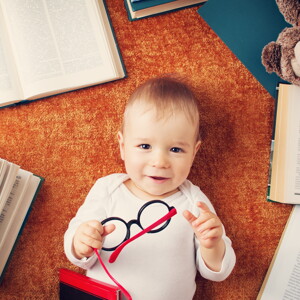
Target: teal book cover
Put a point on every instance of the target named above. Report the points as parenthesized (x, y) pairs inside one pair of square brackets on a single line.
[(246, 27), (148, 3)]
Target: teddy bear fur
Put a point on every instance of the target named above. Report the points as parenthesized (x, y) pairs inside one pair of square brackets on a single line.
[(280, 56), (290, 10)]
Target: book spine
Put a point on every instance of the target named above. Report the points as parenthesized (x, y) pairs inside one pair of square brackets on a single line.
[(270, 169)]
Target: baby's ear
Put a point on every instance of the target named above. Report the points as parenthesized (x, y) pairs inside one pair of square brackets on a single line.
[(197, 146), (121, 144)]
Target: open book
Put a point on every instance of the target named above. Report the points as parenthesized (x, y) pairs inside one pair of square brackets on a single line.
[(18, 189), (284, 179), (282, 281), (49, 47)]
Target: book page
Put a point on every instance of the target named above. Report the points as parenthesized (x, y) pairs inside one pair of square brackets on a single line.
[(12, 204), (3, 167), (9, 88), (18, 220), (7, 182), (282, 281), (279, 151), (292, 171), (285, 165), (58, 45)]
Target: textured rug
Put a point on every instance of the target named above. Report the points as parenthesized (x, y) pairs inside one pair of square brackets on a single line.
[(70, 140)]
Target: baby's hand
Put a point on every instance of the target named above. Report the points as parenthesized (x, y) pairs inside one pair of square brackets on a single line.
[(89, 235), (207, 227)]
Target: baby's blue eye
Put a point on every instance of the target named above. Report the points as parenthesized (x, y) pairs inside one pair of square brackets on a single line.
[(145, 146), (176, 150)]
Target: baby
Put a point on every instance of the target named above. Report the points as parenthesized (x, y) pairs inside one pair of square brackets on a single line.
[(158, 142)]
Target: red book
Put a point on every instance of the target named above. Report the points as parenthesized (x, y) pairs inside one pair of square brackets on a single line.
[(75, 286)]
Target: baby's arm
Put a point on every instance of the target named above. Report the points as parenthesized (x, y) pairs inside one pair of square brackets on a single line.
[(208, 230), (89, 235)]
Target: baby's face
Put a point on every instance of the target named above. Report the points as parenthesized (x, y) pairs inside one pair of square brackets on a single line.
[(158, 154)]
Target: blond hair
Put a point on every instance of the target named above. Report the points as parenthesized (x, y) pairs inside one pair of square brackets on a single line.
[(168, 95)]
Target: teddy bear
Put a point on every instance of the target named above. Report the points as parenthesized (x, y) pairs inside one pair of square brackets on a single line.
[(283, 56)]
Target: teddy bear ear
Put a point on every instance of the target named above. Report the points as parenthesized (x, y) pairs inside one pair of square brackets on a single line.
[(290, 10), (271, 55)]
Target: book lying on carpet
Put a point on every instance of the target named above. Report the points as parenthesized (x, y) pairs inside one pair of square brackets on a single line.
[(282, 280), (246, 27), (284, 172), (146, 8), (48, 48), (75, 286), (18, 190)]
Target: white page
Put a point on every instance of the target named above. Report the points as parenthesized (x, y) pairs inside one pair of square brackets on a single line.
[(18, 221), (3, 168), (9, 89), (56, 47), (7, 183), (13, 203), (284, 279), (293, 144)]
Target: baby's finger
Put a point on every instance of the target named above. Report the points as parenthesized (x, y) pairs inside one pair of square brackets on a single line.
[(209, 224), (93, 232), (108, 229), (210, 234), (96, 225), (203, 207), (89, 241), (189, 216)]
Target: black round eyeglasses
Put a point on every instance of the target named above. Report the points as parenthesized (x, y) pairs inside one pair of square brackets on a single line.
[(154, 216)]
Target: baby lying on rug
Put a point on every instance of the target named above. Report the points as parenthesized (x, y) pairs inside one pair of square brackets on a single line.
[(158, 141)]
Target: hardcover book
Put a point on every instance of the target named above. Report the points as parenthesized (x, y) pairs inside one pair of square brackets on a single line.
[(146, 8), (18, 190), (49, 48), (246, 27), (284, 172), (75, 286)]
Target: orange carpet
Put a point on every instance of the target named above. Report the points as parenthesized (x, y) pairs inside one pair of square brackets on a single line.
[(70, 140)]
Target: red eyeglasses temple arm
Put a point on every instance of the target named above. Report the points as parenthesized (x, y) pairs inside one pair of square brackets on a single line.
[(168, 216), (125, 292)]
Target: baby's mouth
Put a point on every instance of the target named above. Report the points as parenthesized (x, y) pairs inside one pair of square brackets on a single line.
[(158, 178)]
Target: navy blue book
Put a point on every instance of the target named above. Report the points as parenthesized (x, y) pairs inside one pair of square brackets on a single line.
[(246, 27)]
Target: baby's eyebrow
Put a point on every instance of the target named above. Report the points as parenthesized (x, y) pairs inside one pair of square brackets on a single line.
[(181, 144), (141, 139)]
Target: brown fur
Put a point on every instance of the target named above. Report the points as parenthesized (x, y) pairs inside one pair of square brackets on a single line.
[(277, 56)]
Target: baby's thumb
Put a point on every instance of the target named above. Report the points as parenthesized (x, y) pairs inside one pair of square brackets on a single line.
[(108, 229)]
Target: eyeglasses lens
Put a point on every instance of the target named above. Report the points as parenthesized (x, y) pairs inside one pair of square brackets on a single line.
[(151, 214), (115, 238)]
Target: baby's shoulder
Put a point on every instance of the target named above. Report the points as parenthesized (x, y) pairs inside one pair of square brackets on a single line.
[(194, 193), (110, 183)]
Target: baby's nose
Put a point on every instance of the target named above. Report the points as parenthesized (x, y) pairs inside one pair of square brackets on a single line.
[(160, 160)]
